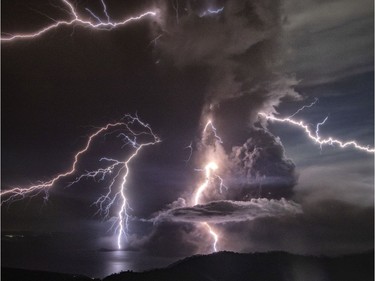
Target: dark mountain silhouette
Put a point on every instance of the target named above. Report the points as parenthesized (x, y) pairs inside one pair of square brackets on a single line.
[(228, 266), (277, 266)]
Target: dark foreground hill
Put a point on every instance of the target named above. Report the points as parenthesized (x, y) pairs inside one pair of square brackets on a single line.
[(275, 266), (227, 266)]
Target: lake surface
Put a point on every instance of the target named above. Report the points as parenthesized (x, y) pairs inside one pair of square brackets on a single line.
[(40, 254)]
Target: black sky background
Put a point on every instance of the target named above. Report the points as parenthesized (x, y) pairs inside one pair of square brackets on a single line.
[(56, 88)]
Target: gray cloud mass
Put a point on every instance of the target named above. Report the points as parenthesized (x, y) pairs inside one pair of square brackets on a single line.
[(230, 211), (260, 165)]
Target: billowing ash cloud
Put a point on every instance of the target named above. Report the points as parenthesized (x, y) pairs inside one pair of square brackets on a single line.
[(226, 211), (239, 47), (241, 52), (260, 167)]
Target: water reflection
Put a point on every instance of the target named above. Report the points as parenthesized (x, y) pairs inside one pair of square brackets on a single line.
[(117, 261), (33, 254)]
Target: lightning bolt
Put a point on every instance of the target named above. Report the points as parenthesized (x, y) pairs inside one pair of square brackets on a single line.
[(214, 130), (210, 175), (213, 234), (317, 129), (190, 147), (303, 107), (77, 19), (210, 167), (210, 12), (119, 169), (17, 192), (315, 137)]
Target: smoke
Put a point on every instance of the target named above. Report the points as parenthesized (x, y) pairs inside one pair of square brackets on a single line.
[(240, 47), (260, 167), (221, 212), (240, 50)]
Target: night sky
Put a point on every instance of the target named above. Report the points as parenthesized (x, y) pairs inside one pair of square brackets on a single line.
[(284, 192)]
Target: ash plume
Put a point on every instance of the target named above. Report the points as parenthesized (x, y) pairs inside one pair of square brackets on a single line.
[(226, 211), (261, 169), (241, 49)]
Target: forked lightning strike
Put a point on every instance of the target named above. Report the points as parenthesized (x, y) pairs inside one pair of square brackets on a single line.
[(209, 170), (20, 193), (115, 168), (190, 147), (79, 20), (213, 234), (214, 131), (122, 214), (210, 167), (303, 107), (316, 138)]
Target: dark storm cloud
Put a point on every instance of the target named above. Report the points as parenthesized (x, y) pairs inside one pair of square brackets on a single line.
[(260, 163), (230, 211), (239, 47), (241, 52)]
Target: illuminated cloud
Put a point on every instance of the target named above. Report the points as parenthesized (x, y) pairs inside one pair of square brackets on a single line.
[(239, 47), (260, 168), (226, 211)]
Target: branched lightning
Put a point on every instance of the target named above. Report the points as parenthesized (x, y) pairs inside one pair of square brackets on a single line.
[(317, 138), (214, 131), (210, 176), (106, 201), (303, 107), (190, 147), (317, 129), (105, 10), (77, 19), (210, 167), (131, 127), (213, 234), (221, 183), (20, 193)]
